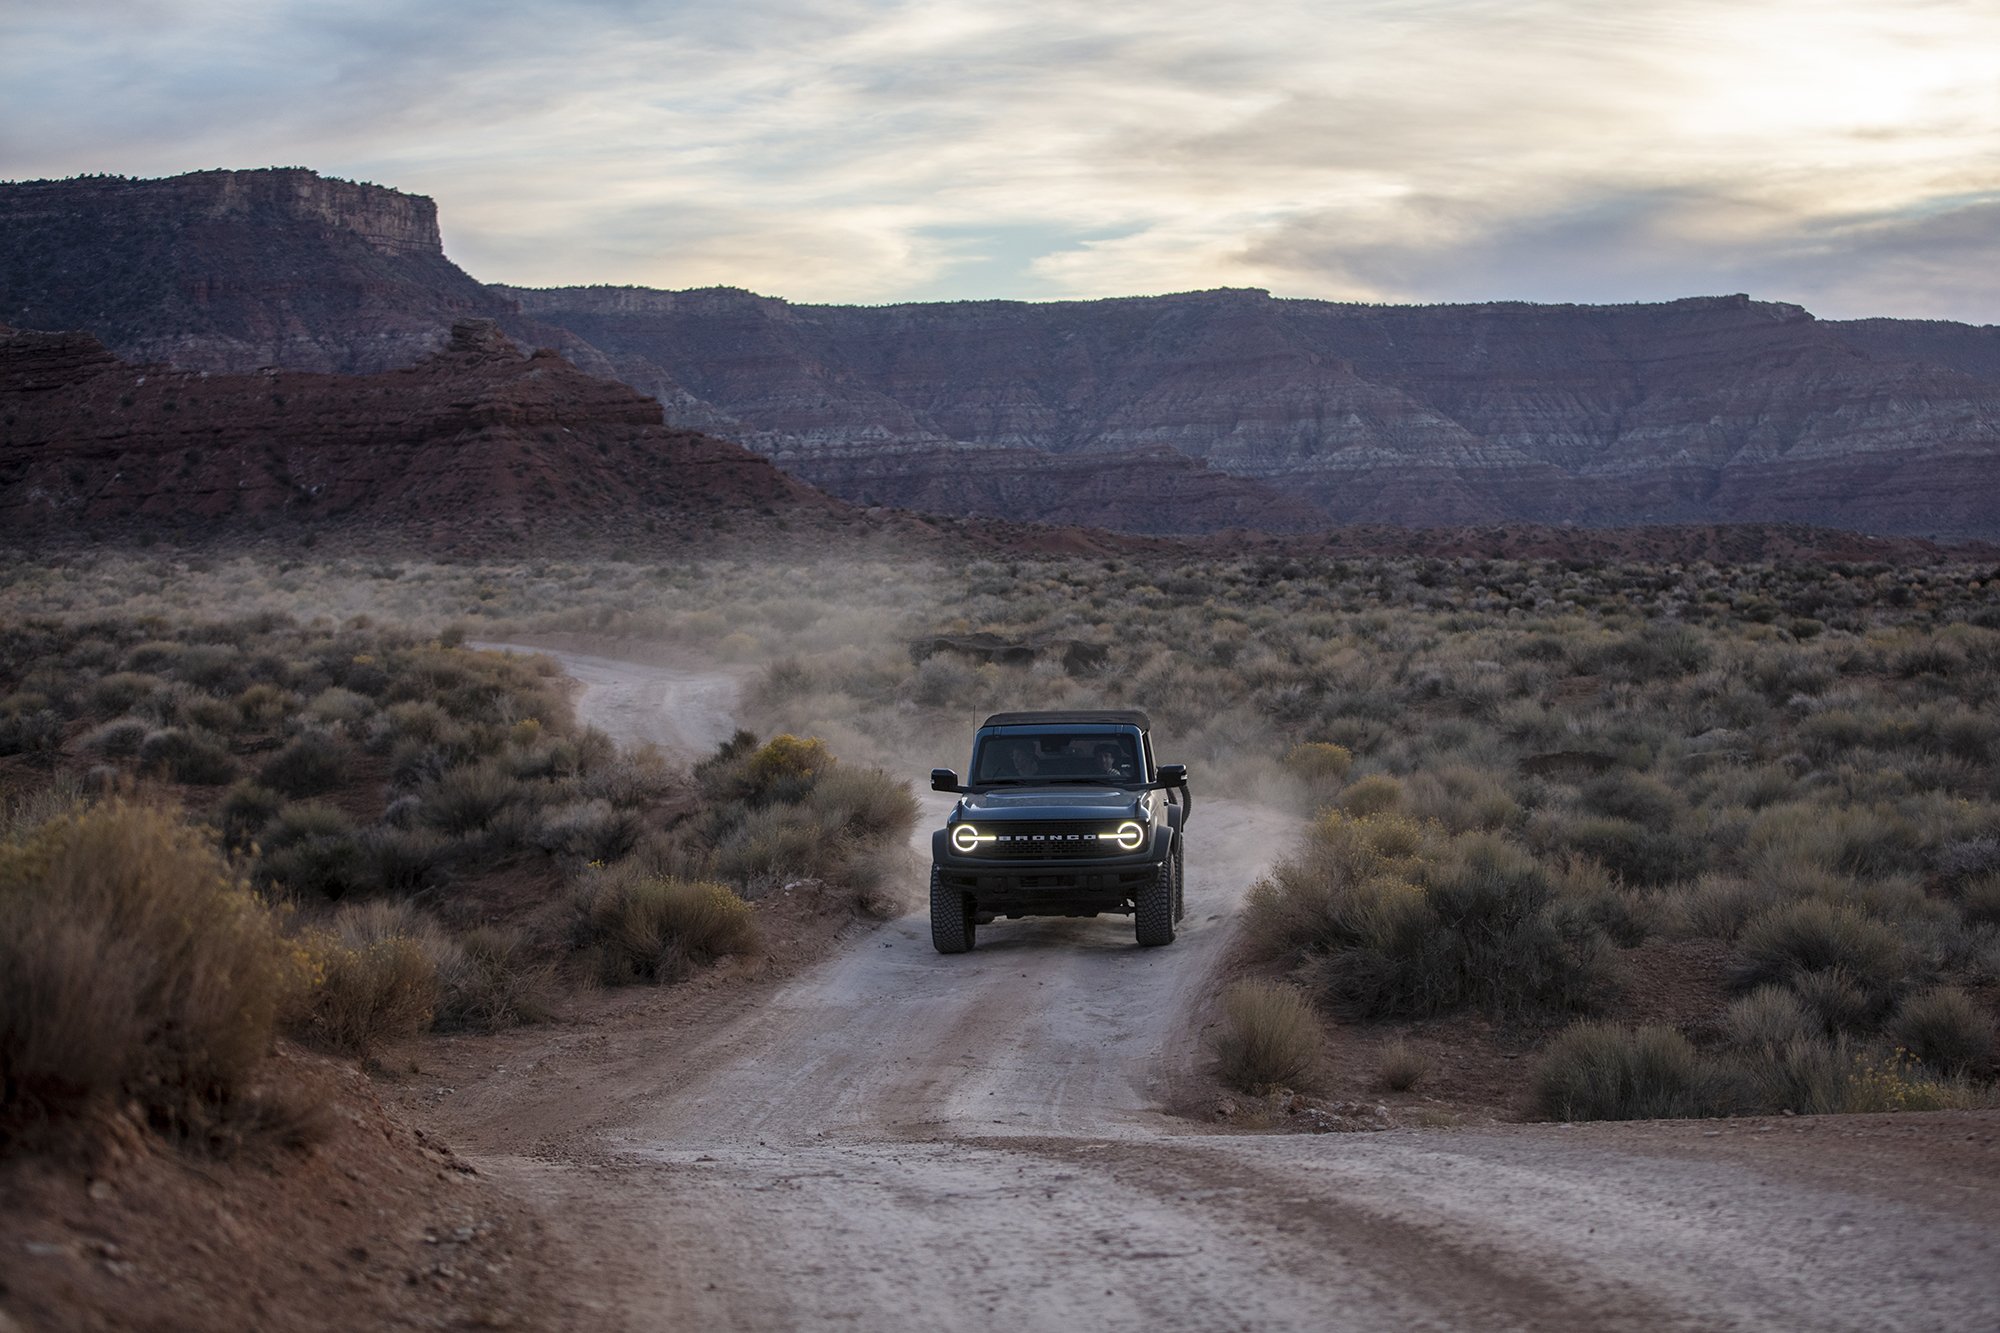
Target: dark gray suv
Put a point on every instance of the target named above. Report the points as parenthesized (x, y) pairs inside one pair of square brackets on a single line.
[(1061, 814)]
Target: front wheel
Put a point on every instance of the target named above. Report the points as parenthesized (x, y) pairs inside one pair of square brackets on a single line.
[(1153, 922), (952, 924)]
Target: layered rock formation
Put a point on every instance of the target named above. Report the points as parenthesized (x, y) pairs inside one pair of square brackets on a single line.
[(475, 448), (237, 270), (1698, 411), (1193, 413)]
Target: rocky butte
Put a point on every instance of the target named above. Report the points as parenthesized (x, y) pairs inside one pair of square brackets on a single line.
[(475, 448), (1171, 414)]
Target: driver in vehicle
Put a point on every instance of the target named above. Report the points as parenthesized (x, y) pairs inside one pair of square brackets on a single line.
[(1111, 763)]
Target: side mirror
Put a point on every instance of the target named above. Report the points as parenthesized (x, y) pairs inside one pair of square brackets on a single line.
[(943, 779), (1171, 775)]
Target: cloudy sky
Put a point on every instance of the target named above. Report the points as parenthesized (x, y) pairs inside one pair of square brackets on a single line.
[(1839, 154)]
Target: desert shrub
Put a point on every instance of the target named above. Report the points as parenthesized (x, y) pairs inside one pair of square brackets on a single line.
[(1401, 1066), (1888, 1082), (1462, 799), (1636, 853), (1584, 890), (863, 804), (1854, 840), (1768, 1018), (1796, 939), (469, 799), (1807, 1075), (1319, 766), (310, 764), (630, 779), (1269, 1039), (1835, 1000), (117, 739), (1327, 895), (336, 706), (1980, 900), (244, 811), (404, 860), (322, 867), (27, 730), (944, 682), (264, 705), (775, 842), (652, 928), (1639, 797), (494, 982), (203, 712), (186, 756), (121, 692), (417, 720), (134, 964), (1657, 652), (1384, 916), (1372, 795), (787, 766), (1945, 1029), (375, 981), (1598, 1071), (1719, 906), (592, 830)]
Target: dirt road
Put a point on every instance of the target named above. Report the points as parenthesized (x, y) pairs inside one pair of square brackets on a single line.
[(897, 1139)]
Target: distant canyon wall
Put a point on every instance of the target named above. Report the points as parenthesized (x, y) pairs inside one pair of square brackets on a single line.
[(1172, 414)]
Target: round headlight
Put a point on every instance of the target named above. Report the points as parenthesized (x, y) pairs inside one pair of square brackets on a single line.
[(1130, 836), (967, 838)]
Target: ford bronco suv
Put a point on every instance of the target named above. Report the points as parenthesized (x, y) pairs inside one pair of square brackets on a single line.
[(1061, 814)]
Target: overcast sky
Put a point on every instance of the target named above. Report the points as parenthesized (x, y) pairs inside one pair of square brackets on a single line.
[(1842, 155)]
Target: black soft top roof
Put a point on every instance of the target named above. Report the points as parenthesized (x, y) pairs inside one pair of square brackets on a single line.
[(1087, 717)]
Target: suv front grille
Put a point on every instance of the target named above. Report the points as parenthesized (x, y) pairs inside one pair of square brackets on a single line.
[(1049, 842)]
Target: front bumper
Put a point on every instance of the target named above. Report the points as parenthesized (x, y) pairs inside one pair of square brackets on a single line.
[(1068, 887)]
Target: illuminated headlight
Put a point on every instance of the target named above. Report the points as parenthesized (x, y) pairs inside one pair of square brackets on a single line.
[(966, 838), (1128, 835)]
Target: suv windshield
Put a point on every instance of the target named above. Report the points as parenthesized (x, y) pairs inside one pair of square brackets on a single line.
[(1057, 757)]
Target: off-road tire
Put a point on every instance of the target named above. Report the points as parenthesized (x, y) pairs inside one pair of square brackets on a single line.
[(952, 926), (1153, 922), (1180, 884)]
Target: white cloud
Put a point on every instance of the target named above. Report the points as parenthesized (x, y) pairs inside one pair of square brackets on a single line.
[(1394, 149)]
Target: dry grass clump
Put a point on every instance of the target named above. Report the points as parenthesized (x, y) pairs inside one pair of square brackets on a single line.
[(134, 965), (193, 757), (1269, 1039), (310, 764), (1401, 1066), (1804, 938), (1383, 916), (374, 981), (1945, 1029), (1375, 794), (1599, 1071), (1319, 767), (657, 928), (784, 809), (491, 980)]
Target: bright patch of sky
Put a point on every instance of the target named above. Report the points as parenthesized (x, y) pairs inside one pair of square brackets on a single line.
[(1842, 155)]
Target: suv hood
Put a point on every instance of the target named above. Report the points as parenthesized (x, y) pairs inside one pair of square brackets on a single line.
[(1063, 801)]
